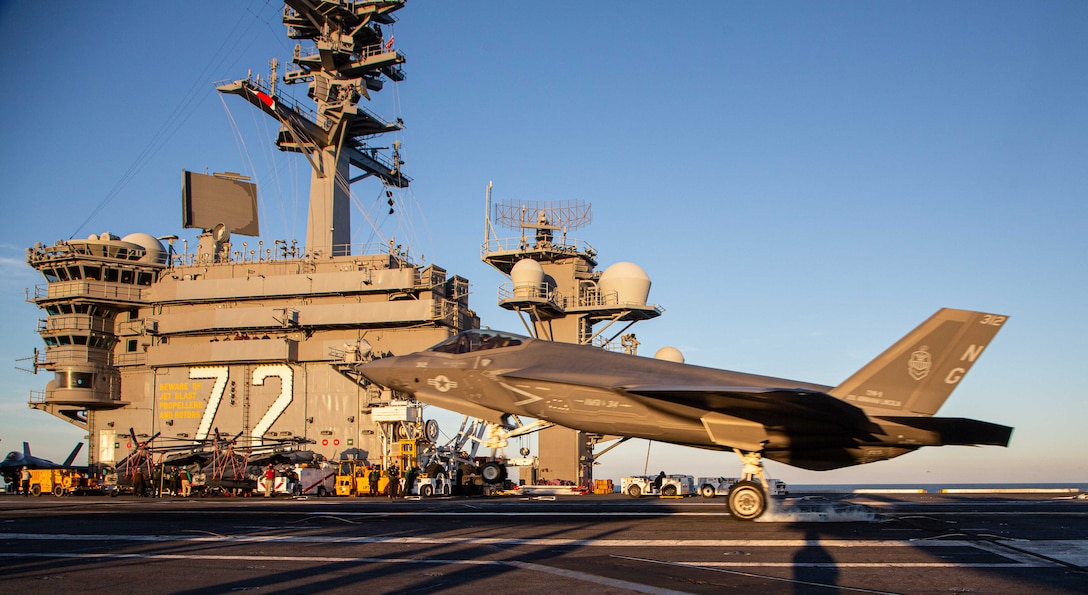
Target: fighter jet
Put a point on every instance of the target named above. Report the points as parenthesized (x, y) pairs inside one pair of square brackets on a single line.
[(883, 411), (17, 460)]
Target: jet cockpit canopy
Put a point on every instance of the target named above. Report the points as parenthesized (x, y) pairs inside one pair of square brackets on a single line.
[(478, 340)]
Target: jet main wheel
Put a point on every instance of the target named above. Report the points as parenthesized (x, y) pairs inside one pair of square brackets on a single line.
[(707, 491), (493, 472), (747, 500)]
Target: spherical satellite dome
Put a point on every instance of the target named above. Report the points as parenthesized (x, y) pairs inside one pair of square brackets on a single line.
[(628, 281), (669, 354), (155, 250), (527, 275)]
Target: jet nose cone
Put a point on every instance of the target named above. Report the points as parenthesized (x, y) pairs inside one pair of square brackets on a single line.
[(389, 372)]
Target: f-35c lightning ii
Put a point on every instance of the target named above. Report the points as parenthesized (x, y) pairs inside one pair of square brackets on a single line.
[(17, 460), (883, 411)]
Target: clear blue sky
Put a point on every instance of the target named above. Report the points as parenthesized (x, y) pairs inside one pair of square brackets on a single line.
[(804, 182)]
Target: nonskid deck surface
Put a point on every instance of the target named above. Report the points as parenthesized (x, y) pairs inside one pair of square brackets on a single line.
[(613, 544)]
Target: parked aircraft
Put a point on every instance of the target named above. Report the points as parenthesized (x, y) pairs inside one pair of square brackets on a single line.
[(882, 411), (17, 460)]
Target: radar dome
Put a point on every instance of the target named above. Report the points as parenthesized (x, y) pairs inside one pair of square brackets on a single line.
[(527, 275), (155, 250), (627, 281), (669, 354)]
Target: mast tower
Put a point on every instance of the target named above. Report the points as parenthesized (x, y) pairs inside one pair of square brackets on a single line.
[(350, 59), (560, 296)]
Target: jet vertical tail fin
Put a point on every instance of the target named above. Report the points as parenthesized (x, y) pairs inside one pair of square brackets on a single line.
[(917, 374), (72, 457), (26, 450)]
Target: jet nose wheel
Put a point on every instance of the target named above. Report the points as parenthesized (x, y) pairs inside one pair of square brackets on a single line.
[(493, 472), (747, 500)]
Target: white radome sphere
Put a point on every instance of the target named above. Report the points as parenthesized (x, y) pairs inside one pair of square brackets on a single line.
[(630, 283), (156, 252), (669, 354), (527, 275)]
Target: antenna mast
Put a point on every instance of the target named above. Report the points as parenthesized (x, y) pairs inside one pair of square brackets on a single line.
[(351, 57)]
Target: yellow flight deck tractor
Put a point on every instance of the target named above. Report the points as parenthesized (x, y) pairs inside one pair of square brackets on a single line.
[(61, 481), (353, 479)]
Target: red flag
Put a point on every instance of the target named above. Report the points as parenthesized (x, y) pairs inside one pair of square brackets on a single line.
[(389, 44)]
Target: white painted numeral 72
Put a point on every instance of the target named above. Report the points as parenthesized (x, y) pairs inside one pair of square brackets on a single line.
[(221, 373)]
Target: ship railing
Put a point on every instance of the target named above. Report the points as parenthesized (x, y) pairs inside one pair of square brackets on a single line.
[(74, 354), (67, 249), (377, 49), (592, 296), (613, 346), (37, 397), (129, 359), (372, 152), (89, 289), (512, 292), (281, 251), (74, 322), (530, 244)]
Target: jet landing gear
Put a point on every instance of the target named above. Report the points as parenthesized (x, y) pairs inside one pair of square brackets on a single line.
[(748, 497), (493, 472)]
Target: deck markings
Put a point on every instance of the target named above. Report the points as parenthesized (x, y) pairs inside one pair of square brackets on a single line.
[(836, 587), (571, 574), (1019, 553)]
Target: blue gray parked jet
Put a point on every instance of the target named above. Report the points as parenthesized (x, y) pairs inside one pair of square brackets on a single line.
[(17, 460), (883, 411)]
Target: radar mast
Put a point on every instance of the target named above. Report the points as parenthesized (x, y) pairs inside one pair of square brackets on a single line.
[(350, 58), (559, 295)]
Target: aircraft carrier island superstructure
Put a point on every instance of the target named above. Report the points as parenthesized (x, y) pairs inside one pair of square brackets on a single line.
[(560, 296), (151, 338)]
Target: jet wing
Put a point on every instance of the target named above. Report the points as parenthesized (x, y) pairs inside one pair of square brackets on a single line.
[(746, 416), (769, 405)]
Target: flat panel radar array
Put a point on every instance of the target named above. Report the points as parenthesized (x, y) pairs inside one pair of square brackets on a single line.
[(220, 199)]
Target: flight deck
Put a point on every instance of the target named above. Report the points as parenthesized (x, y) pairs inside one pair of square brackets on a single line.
[(815, 543)]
